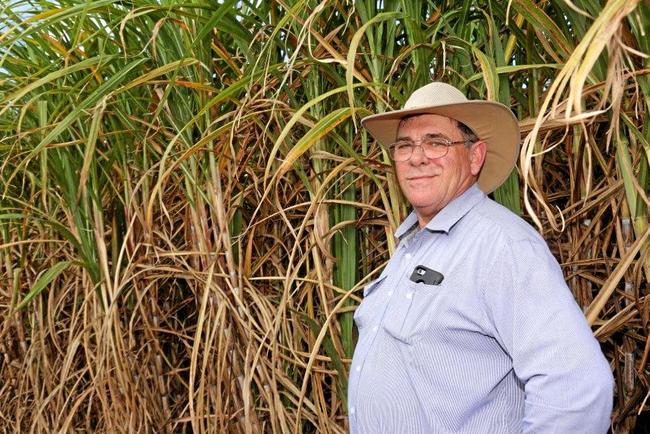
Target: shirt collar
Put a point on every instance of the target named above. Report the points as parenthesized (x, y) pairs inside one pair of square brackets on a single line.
[(449, 215), (407, 225)]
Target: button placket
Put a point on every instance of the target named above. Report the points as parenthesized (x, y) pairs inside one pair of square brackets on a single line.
[(394, 322), (394, 274), (370, 340), (400, 305)]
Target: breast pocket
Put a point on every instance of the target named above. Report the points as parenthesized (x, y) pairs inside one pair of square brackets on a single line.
[(370, 305), (413, 312)]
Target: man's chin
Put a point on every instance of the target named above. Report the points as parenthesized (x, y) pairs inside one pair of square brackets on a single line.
[(425, 207), (422, 202)]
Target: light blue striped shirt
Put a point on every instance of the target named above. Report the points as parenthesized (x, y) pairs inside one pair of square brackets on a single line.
[(500, 346)]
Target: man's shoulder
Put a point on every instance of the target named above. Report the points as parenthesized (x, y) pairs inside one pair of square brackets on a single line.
[(497, 222)]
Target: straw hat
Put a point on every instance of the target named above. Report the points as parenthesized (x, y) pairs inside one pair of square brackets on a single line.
[(492, 122)]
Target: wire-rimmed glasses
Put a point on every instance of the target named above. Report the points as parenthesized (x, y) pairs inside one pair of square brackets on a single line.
[(433, 146)]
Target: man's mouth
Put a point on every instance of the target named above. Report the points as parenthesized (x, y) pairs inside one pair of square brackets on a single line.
[(415, 178)]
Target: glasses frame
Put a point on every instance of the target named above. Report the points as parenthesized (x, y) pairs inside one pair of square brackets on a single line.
[(418, 143)]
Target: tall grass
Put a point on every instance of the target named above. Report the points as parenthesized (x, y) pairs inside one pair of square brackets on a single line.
[(189, 210)]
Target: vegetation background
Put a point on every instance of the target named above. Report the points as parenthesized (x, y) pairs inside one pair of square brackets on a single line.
[(189, 210)]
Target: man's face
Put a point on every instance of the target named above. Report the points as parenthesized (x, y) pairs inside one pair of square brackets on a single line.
[(430, 184)]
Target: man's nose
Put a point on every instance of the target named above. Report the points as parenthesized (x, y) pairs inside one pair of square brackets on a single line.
[(418, 157)]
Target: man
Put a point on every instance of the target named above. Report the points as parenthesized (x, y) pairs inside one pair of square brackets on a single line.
[(470, 328)]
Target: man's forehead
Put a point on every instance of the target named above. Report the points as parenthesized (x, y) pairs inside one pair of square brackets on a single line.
[(427, 120)]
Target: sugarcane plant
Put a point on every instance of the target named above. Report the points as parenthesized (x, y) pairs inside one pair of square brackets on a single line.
[(190, 209)]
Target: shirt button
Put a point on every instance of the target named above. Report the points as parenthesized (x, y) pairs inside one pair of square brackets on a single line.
[(409, 295), (375, 328), (390, 292), (408, 256), (352, 410), (358, 368)]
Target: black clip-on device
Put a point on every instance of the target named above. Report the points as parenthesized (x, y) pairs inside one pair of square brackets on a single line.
[(422, 274)]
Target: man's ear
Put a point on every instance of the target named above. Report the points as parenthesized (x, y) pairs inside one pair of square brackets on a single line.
[(477, 156)]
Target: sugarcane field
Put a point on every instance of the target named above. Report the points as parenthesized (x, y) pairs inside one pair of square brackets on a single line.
[(335, 216)]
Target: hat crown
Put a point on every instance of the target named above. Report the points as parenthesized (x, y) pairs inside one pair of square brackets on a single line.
[(435, 94)]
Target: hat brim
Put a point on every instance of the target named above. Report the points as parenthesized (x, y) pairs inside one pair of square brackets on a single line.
[(492, 122)]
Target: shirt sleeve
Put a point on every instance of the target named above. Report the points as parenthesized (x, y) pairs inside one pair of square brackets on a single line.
[(567, 380)]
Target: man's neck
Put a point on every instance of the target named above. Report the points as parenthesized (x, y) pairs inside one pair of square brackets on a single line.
[(426, 215)]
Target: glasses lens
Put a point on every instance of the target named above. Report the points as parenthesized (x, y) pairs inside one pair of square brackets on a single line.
[(435, 147), (432, 147), (401, 151)]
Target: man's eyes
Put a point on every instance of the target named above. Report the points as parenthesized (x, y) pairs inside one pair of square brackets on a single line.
[(426, 143)]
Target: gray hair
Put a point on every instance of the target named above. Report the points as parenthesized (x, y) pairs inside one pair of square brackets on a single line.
[(469, 136)]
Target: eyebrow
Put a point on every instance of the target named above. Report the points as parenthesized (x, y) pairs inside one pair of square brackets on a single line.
[(428, 136)]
